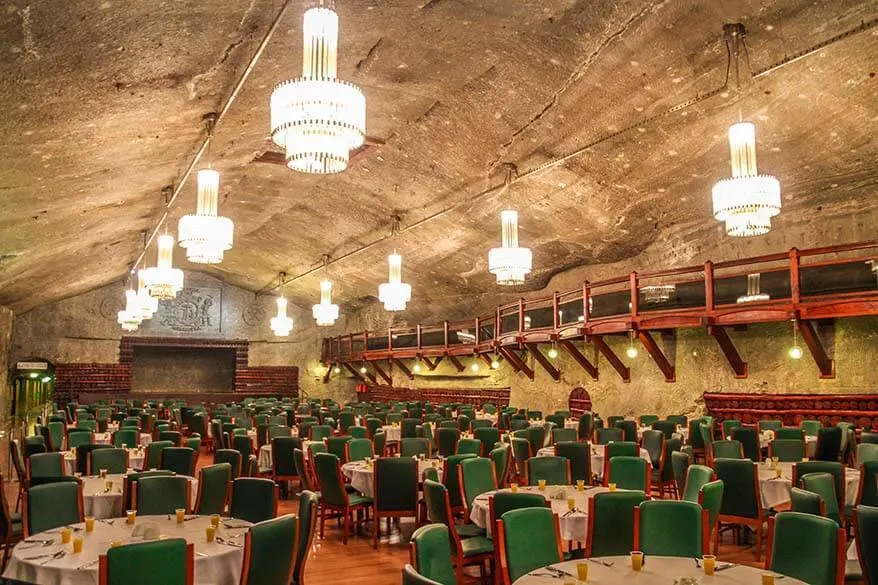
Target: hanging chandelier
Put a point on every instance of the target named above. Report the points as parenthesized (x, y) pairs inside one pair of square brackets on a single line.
[(325, 313), (509, 262), (746, 201), (394, 293), (130, 317), (206, 235), (316, 118), (146, 304), (280, 324), (163, 280)]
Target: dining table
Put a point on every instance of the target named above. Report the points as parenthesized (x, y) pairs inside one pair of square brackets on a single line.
[(573, 523), (102, 497), (656, 570), (597, 456), (361, 473), (135, 459), (776, 490), (265, 461), (41, 558), (107, 438)]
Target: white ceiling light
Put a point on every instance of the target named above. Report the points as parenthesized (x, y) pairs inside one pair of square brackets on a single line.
[(316, 118), (163, 280), (206, 235), (394, 293), (147, 304), (746, 201), (325, 313), (509, 262), (280, 324), (129, 317)]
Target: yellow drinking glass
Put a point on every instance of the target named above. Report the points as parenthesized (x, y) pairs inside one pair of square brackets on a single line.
[(108, 486), (215, 520), (115, 543), (513, 487), (181, 515), (611, 486), (636, 560), (542, 484), (778, 472), (571, 504), (103, 473), (65, 535), (582, 571), (580, 485), (89, 523), (130, 516), (767, 579), (709, 564), (805, 459), (77, 545), (210, 533)]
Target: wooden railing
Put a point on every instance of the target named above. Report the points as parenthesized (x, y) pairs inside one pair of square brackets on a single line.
[(800, 285)]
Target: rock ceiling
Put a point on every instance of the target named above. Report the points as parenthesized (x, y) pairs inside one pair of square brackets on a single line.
[(102, 105)]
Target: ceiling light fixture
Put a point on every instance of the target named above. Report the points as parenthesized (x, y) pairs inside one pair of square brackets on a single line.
[(746, 201), (796, 352), (130, 317), (553, 352), (316, 118), (163, 280), (280, 324), (147, 304), (394, 293), (205, 235), (495, 363), (631, 352), (325, 313), (509, 263)]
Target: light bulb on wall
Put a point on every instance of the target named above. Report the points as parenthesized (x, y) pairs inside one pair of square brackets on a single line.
[(631, 352), (363, 369), (495, 363), (553, 352), (796, 350), (474, 367), (417, 367), (336, 370)]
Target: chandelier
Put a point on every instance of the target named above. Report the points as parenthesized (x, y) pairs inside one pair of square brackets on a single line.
[(316, 118), (509, 263), (280, 324), (394, 293), (163, 280), (325, 312), (746, 201), (130, 317), (206, 235), (147, 305)]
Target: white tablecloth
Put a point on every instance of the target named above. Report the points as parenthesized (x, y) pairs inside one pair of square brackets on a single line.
[(681, 433), (656, 571), (264, 457), (776, 492), (361, 474), (135, 460), (573, 526), (766, 437), (215, 564), (102, 504), (597, 457), (391, 433), (105, 438)]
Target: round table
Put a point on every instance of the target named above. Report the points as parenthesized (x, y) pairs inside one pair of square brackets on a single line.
[(574, 526), (656, 571), (105, 438), (681, 433), (766, 437), (361, 474), (135, 460), (100, 503), (263, 459), (215, 563), (391, 432), (776, 491), (597, 457)]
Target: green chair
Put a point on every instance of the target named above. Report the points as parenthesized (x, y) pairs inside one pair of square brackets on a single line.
[(665, 427), (230, 456), (411, 577), (431, 554), (338, 446), (749, 439), (476, 477), (624, 448), (696, 477), (806, 547), (55, 431), (769, 425), (829, 444), (788, 450), (379, 442), (414, 446), (395, 482), (161, 495), (320, 432), (678, 419), (869, 437), (335, 500), (52, 505), (469, 447), (789, 433), (157, 562), (180, 460), (253, 499), (130, 480), (811, 427), (742, 498), (834, 468), (646, 420), (502, 502), (520, 454), (45, 465), (527, 538), (283, 468), (865, 522), (359, 449), (630, 473), (612, 420), (308, 504), (728, 449), (579, 456), (823, 484), (213, 488), (706, 432), (866, 452), (585, 427), (502, 459), (629, 429), (728, 425), (358, 432), (695, 440), (680, 464), (79, 437), (563, 434), (270, 551), (807, 502), (305, 472), (654, 443), (536, 436), (553, 470), (710, 498), (611, 523), (127, 437), (868, 492), (193, 443), (671, 528), (113, 460), (176, 437), (489, 436), (408, 428)]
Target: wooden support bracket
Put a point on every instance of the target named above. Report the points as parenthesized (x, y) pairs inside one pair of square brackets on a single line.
[(356, 373), (534, 350), (583, 362), (606, 351), (326, 375), (456, 362), (739, 366), (517, 362), (818, 350), (405, 370), (387, 377), (658, 356), (432, 365)]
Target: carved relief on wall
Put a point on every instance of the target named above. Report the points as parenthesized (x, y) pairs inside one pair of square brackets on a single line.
[(194, 310)]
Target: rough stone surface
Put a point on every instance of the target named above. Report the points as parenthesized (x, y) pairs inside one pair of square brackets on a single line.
[(104, 100), (6, 319)]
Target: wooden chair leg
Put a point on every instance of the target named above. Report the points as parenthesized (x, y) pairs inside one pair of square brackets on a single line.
[(376, 534), (347, 525)]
